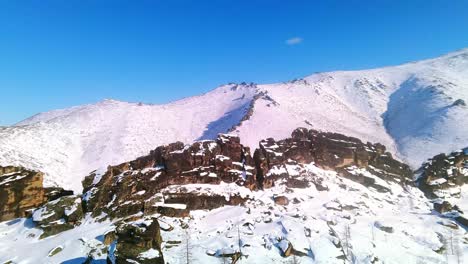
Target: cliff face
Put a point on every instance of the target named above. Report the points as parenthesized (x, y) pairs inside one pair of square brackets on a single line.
[(152, 183), (347, 155), (442, 175), (444, 178), (20, 191), (148, 207)]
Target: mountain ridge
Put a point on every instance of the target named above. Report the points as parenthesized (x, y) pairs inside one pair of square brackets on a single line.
[(410, 108)]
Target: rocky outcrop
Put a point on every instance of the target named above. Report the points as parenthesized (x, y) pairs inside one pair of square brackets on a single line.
[(441, 178), (138, 242), (330, 151), (140, 186), (126, 189), (20, 191), (58, 215), (441, 175)]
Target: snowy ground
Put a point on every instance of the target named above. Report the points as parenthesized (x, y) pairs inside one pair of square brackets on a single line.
[(415, 109), (19, 242), (313, 222)]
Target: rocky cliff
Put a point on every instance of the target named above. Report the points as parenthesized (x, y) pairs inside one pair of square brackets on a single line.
[(146, 185), (20, 191), (311, 184)]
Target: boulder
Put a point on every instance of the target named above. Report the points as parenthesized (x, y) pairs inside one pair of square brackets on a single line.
[(20, 191), (383, 227), (281, 200), (443, 207), (442, 172), (138, 242), (126, 189), (59, 215)]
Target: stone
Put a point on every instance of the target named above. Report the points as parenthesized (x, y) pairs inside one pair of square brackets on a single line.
[(59, 215), (383, 227), (443, 172), (281, 200), (443, 207), (20, 191), (139, 241)]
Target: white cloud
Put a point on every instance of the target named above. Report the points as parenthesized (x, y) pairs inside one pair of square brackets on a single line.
[(294, 41)]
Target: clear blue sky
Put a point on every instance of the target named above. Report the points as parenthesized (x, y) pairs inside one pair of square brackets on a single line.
[(55, 54)]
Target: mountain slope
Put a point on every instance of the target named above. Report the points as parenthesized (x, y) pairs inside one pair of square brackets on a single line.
[(417, 110), (208, 203), (68, 144)]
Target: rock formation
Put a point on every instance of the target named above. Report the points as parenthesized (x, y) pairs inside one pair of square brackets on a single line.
[(20, 191), (441, 175)]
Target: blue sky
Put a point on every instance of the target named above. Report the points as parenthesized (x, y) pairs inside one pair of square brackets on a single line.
[(55, 54)]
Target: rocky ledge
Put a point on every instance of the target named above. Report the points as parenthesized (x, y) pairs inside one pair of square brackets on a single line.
[(443, 178), (21, 190), (146, 185)]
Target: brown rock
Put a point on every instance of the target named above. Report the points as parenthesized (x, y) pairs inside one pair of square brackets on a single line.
[(281, 200), (20, 191)]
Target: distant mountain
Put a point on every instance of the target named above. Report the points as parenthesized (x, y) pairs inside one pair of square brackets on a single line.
[(416, 109)]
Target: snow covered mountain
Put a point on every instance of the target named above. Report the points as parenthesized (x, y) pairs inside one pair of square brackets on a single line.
[(416, 109), (311, 198)]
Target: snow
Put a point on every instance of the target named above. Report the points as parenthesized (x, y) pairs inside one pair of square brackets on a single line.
[(11, 179), (409, 108), (41, 214), (267, 229), (172, 205), (438, 181), (264, 229), (70, 210), (20, 243), (150, 254)]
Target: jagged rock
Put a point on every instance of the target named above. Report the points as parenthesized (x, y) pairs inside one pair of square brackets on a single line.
[(196, 201), (173, 212), (136, 186), (440, 175), (443, 207), (109, 237), (329, 151), (53, 193), (138, 242), (20, 191), (125, 189), (58, 215)]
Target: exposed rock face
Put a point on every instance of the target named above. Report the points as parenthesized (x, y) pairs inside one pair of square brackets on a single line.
[(329, 151), (281, 200), (59, 215), (440, 175), (141, 185), (20, 191), (175, 179), (138, 242), (126, 189)]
